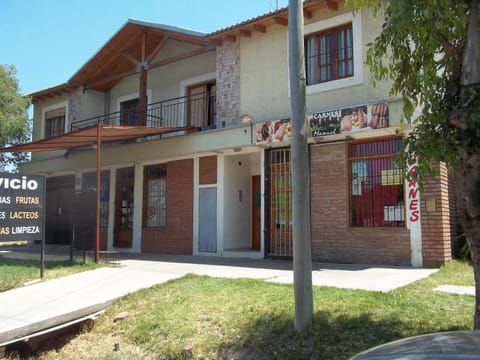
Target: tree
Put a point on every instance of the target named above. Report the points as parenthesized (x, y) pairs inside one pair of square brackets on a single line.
[(14, 124), (302, 258), (430, 50)]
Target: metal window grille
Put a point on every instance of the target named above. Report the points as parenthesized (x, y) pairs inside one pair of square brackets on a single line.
[(377, 191), (55, 122), (280, 203), (156, 197)]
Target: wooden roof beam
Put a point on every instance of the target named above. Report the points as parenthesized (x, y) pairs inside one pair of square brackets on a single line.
[(182, 56), (332, 4), (280, 21), (216, 42), (245, 33), (157, 49), (259, 28), (129, 57), (230, 37), (307, 14)]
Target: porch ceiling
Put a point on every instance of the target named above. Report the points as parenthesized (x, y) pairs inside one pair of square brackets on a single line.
[(135, 44), (89, 136)]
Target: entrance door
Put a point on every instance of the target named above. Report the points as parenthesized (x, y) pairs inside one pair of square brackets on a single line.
[(256, 212), (207, 232), (124, 208), (58, 209), (280, 203)]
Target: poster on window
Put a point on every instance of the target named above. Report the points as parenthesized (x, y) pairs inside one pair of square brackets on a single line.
[(348, 120), (273, 131)]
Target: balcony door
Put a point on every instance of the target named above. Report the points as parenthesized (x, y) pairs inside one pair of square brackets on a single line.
[(201, 105), (129, 113)]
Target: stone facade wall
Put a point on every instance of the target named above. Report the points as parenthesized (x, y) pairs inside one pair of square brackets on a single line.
[(74, 106), (228, 84)]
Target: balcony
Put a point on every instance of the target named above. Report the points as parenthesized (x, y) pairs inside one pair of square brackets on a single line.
[(197, 110)]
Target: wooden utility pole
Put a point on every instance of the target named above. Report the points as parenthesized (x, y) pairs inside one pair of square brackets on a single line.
[(302, 257)]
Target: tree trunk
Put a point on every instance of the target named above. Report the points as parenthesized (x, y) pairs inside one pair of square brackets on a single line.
[(468, 206), (468, 166), (302, 258)]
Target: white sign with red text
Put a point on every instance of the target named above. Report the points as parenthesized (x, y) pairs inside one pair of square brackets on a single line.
[(413, 212)]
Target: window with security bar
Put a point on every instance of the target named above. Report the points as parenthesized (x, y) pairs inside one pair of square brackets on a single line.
[(376, 184), (329, 54), (155, 196), (280, 203), (55, 122)]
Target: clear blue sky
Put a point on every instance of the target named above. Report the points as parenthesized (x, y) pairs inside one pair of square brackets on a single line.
[(49, 40)]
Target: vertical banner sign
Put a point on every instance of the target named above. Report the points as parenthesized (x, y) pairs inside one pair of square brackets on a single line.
[(413, 212), (22, 207)]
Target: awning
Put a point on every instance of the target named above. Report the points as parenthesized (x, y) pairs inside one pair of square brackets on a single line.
[(88, 136), (98, 135)]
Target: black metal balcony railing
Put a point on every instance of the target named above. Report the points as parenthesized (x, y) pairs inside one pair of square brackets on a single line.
[(197, 110)]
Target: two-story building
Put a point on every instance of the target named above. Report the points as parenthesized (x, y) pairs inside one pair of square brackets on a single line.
[(206, 167)]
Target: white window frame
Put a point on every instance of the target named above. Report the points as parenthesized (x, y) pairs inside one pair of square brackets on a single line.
[(63, 104), (358, 76), (186, 83)]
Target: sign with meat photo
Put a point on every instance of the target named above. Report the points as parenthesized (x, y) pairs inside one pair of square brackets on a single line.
[(273, 131), (349, 120)]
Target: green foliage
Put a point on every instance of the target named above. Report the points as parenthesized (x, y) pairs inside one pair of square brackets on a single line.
[(420, 50), (14, 124)]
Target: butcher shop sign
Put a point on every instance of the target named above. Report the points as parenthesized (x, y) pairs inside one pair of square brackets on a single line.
[(22, 203), (349, 120)]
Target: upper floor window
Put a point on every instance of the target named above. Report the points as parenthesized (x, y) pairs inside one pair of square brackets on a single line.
[(55, 122), (334, 53), (329, 54)]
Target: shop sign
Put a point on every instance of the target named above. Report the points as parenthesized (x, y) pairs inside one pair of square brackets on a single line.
[(22, 203), (339, 121), (273, 131), (413, 196), (348, 120)]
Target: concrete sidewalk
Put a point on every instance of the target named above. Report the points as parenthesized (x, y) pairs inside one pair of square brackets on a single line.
[(46, 304)]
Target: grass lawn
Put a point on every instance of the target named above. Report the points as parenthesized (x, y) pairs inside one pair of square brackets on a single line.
[(17, 272), (200, 317)]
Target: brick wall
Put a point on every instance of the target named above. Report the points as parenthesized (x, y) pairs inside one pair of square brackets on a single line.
[(228, 83), (177, 236), (333, 240), (435, 217), (208, 170)]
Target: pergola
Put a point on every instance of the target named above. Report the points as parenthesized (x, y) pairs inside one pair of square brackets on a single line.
[(93, 136)]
